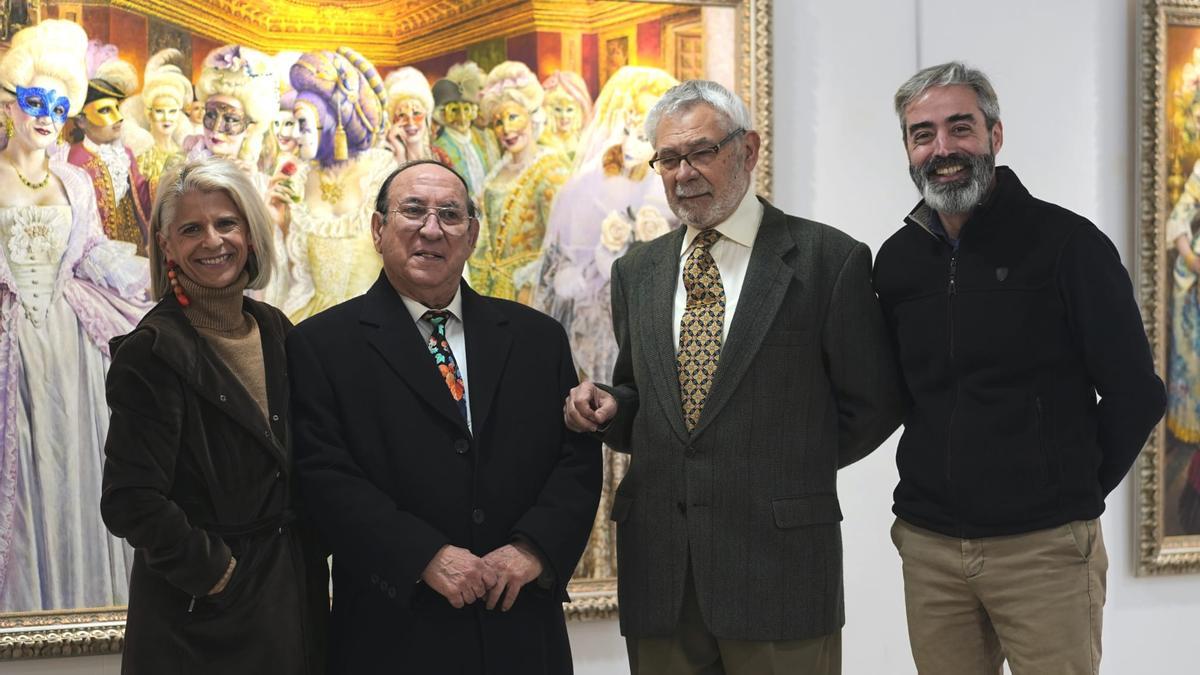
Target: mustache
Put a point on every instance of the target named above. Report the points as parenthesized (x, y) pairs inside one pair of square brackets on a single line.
[(692, 189), (935, 164)]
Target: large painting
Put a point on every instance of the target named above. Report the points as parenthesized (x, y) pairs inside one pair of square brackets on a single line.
[(552, 226), (1168, 474)]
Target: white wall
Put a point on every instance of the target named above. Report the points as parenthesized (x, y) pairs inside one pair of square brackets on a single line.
[(1064, 72)]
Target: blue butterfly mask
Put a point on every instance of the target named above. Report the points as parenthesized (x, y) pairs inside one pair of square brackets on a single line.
[(41, 102)]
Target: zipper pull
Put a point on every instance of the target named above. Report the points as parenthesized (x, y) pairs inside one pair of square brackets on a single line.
[(192, 604), (953, 273)]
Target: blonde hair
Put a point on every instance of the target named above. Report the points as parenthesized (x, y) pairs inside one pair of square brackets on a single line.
[(246, 75), (166, 79), (622, 94), (211, 175), (408, 83), (511, 81), (53, 48)]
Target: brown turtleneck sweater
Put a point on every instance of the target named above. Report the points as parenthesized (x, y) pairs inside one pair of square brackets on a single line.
[(216, 313)]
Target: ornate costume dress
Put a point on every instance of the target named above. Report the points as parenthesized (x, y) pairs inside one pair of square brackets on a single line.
[(123, 196), (153, 163), (334, 258), (1183, 361), (65, 290), (515, 215), (573, 279)]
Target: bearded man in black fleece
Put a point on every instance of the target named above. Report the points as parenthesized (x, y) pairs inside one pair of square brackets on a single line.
[(1032, 389)]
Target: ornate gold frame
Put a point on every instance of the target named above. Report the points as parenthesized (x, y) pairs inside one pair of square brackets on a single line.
[(1156, 552), (102, 631)]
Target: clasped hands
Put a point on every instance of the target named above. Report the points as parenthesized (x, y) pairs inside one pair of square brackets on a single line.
[(462, 577)]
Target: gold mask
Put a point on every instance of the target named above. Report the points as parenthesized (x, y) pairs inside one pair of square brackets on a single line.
[(103, 112)]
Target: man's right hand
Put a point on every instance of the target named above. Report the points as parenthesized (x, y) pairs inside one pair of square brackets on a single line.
[(458, 575), (588, 408)]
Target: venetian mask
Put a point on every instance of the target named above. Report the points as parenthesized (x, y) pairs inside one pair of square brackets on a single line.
[(38, 112), (512, 127), (566, 118), (284, 126), (225, 125), (164, 115), (458, 115), (408, 115), (635, 147), (307, 132)]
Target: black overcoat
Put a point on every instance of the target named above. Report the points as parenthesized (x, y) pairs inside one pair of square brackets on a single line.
[(195, 473), (392, 473)]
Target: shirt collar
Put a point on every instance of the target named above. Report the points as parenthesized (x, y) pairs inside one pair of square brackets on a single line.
[(417, 310), (741, 227)]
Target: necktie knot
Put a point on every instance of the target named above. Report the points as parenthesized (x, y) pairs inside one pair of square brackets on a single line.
[(706, 239), (437, 317)]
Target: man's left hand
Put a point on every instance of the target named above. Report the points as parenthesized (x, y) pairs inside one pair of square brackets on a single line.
[(515, 565)]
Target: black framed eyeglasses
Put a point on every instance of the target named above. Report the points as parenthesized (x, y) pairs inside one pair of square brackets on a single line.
[(697, 159)]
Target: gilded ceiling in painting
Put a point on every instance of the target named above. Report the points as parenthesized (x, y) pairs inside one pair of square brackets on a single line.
[(388, 32)]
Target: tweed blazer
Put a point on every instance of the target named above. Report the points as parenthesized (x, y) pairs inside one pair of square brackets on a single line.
[(806, 384)]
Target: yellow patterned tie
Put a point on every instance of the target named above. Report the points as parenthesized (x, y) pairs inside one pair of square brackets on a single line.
[(700, 330)]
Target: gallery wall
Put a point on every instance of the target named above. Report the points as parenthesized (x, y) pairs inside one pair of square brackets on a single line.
[(1064, 72)]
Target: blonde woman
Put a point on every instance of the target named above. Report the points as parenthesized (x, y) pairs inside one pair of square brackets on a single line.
[(227, 578), (568, 110), (65, 291), (165, 92), (520, 189)]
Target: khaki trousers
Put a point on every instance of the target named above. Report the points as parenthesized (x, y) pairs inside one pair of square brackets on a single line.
[(1034, 599), (693, 650)]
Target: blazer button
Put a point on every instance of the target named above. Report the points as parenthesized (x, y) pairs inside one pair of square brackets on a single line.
[(689, 451), (222, 397), (374, 579), (477, 516), (461, 446), (392, 592), (682, 507)]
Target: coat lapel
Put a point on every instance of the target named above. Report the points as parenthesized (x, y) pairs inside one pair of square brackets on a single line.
[(394, 336), (767, 281), (202, 368), (488, 343), (658, 325)]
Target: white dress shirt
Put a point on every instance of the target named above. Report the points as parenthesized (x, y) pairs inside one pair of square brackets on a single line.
[(732, 255), (455, 334)]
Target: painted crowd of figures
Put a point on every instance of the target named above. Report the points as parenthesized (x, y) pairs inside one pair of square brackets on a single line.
[(559, 177)]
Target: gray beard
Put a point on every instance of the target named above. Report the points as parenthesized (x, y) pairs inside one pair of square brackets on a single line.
[(956, 197)]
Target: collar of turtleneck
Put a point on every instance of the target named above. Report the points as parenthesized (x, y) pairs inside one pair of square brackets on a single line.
[(216, 309)]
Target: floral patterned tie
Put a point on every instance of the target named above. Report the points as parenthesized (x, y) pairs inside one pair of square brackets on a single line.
[(700, 329), (443, 358)]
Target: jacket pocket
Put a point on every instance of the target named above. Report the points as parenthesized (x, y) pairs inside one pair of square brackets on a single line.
[(800, 511), (621, 507)]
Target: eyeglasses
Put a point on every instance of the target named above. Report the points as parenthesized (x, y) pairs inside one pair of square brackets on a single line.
[(697, 158), (217, 119), (453, 220)]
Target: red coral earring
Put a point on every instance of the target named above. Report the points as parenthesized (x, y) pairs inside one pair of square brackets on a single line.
[(179, 294)]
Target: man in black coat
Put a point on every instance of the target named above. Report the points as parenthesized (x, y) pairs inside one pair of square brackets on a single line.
[(1011, 316), (429, 442)]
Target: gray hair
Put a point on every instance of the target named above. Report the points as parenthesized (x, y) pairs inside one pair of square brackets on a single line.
[(946, 75), (685, 96), (211, 175)]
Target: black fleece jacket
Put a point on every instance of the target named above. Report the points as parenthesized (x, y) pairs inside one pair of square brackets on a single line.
[(1005, 345)]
